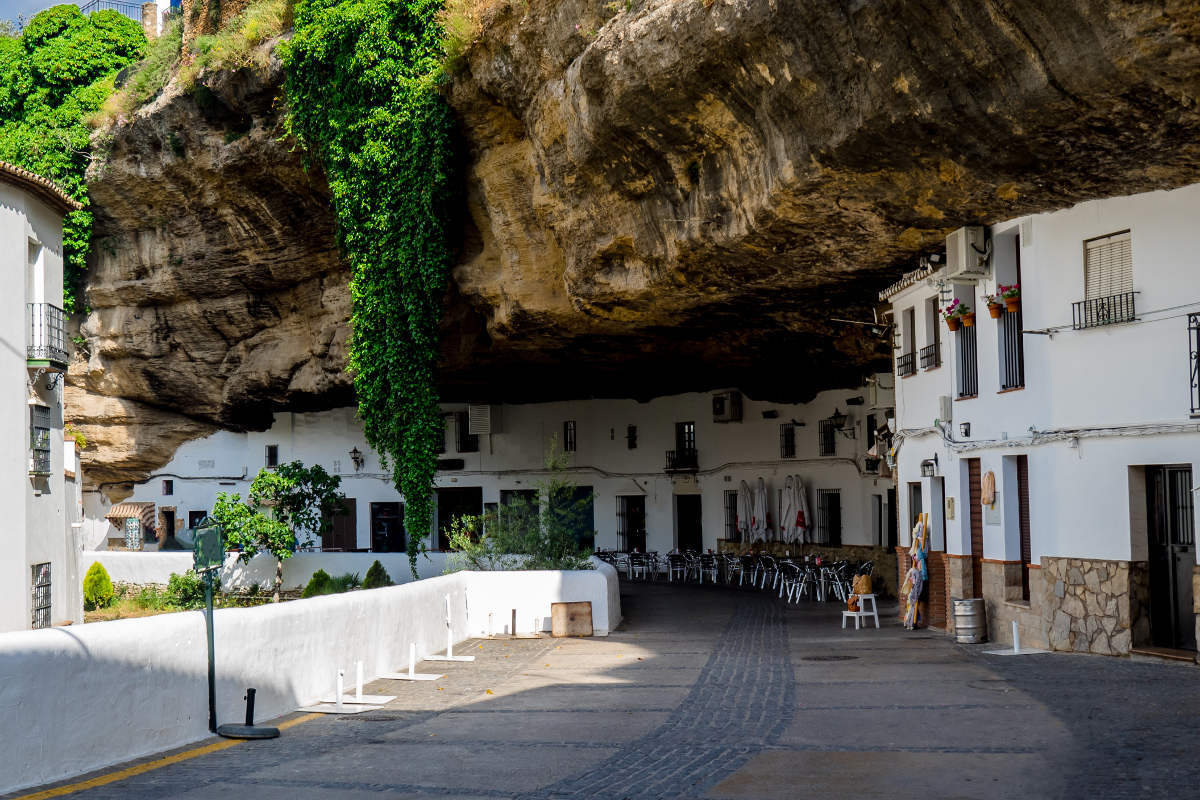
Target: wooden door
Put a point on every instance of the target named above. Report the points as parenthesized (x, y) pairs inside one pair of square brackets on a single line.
[(342, 531), (1023, 519), (975, 488)]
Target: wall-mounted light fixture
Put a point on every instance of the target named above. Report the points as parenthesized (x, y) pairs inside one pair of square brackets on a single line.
[(929, 467), (964, 429), (838, 420), (357, 457)]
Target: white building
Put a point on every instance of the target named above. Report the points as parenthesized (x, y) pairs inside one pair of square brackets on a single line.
[(39, 580), (663, 473), (1082, 407)]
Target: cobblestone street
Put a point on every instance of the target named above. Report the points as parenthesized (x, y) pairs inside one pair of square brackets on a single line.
[(723, 693)]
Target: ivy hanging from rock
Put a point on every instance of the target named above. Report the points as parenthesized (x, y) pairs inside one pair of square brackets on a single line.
[(361, 82)]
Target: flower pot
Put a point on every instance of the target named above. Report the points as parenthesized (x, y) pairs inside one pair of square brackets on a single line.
[(952, 323), (969, 319), (996, 310), (1013, 304)]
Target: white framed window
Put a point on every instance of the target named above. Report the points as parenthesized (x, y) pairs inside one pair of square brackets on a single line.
[(1107, 266)]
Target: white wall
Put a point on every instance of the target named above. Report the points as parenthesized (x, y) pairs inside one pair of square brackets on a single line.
[(1123, 388), (80, 698), (513, 459)]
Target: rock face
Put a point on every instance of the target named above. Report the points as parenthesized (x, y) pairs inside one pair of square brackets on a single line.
[(660, 196)]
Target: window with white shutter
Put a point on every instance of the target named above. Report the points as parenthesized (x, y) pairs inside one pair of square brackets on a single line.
[(1107, 282)]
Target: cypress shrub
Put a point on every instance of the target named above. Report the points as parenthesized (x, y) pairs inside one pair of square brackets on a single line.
[(97, 587), (377, 576)]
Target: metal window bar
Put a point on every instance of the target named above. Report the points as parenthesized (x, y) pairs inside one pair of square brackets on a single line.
[(731, 528), (787, 440), (1110, 310), (1194, 341), (968, 363), (1183, 530), (1013, 367), (829, 516), (569, 436), (682, 461), (906, 364), (131, 10), (931, 356), (41, 595), (47, 333), (622, 523), (827, 441)]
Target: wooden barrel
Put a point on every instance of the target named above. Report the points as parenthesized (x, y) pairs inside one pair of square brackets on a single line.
[(970, 621)]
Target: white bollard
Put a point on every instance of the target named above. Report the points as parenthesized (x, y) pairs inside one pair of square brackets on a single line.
[(412, 660), (359, 677), (449, 631), (341, 686), (1016, 637)]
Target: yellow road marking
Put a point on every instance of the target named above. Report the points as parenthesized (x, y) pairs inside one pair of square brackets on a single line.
[(150, 766)]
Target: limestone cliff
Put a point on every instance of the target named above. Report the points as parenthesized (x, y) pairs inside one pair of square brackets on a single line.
[(661, 195)]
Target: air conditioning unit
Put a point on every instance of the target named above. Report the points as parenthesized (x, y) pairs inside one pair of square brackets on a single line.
[(483, 419), (727, 407), (967, 253)]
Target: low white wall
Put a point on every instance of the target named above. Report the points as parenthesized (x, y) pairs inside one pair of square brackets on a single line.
[(76, 699), (155, 567)]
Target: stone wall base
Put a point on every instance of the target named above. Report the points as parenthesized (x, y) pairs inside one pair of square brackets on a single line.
[(1086, 605)]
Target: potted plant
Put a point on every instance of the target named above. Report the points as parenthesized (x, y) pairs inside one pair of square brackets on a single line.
[(995, 305), (951, 314), (968, 316), (1012, 296)]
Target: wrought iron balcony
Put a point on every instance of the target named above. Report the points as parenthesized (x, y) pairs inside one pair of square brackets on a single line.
[(682, 461), (906, 364), (931, 356), (1194, 347), (47, 334), (1103, 311), (39, 462)]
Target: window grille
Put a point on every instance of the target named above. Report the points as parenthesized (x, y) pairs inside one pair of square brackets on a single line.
[(41, 595), (968, 363), (464, 440), (1012, 363), (168, 488), (569, 436), (827, 438), (829, 516), (731, 528), (1194, 340), (931, 356), (787, 440), (631, 437), (39, 440), (631, 522), (272, 455)]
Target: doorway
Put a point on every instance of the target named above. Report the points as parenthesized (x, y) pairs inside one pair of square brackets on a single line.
[(456, 502), (387, 528), (1171, 529), (631, 522), (688, 531), (915, 506), (342, 531), (893, 537), (975, 500)]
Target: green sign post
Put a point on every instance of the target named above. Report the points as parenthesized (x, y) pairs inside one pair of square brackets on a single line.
[(208, 555)]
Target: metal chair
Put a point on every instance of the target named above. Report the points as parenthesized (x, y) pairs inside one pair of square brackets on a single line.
[(708, 566)]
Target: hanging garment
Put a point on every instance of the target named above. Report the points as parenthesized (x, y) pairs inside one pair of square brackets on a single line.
[(745, 511)]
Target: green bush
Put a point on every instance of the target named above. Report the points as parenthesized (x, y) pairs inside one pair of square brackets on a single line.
[(377, 576), (318, 584), (187, 590), (97, 587), (344, 583)]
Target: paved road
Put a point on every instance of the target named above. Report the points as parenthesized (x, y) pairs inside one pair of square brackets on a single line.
[(719, 693)]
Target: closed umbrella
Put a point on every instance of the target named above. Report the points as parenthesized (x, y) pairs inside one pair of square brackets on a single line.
[(745, 511), (803, 516), (787, 511), (762, 509)]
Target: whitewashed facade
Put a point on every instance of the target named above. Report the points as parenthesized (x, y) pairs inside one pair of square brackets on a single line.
[(39, 580), (619, 451), (1093, 400)]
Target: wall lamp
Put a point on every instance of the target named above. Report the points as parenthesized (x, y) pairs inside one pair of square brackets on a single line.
[(929, 467), (357, 457), (838, 420), (964, 429)]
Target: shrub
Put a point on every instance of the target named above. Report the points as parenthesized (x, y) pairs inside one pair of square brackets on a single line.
[(97, 587), (187, 590), (377, 576), (318, 584), (344, 583)]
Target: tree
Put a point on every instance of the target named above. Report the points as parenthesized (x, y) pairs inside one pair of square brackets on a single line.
[(285, 503)]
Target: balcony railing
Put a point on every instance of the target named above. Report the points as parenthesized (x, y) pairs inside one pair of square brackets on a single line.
[(682, 461), (131, 10), (47, 334), (931, 356), (1194, 346), (39, 462), (1103, 311), (906, 364)]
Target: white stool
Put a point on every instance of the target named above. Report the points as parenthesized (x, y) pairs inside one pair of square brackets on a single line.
[(862, 611)]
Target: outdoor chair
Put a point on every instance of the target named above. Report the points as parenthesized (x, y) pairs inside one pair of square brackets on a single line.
[(638, 566), (693, 566), (708, 566), (749, 569), (789, 582), (676, 567), (769, 572), (733, 567)]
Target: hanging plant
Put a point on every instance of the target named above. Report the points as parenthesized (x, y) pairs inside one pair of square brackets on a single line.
[(995, 306), (361, 85), (1012, 296)]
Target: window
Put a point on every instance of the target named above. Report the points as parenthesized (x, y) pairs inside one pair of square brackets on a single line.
[(569, 436), (931, 354), (968, 363), (464, 440), (272, 455), (168, 488), (731, 527), (195, 518), (826, 438), (41, 595), (1107, 282), (631, 522), (631, 437), (685, 437), (787, 440), (39, 440), (870, 431), (829, 517)]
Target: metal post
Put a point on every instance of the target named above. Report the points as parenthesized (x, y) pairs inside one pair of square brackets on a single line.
[(212, 666), (250, 708)]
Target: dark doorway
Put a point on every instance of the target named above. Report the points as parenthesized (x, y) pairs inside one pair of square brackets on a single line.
[(829, 517), (387, 528), (1172, 556), (915, 506), (1023, 521), (975, 500), (689, 532), (893, 539), (342, 530), (631, 522), (453, 503)]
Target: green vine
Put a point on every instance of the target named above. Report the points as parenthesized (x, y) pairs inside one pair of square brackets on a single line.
[(362, 93), (53, 77)]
